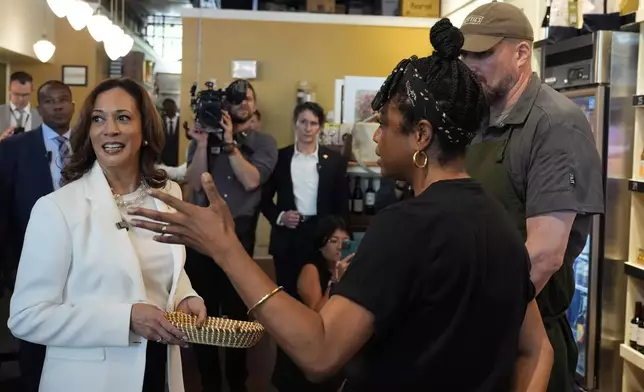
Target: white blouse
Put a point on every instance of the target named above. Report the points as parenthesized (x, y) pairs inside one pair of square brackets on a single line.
[(157, 265)]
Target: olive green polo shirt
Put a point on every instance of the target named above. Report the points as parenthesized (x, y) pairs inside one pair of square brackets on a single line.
[(552, 158)]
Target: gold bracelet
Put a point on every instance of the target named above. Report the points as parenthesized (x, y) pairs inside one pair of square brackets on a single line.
[(265, 298)]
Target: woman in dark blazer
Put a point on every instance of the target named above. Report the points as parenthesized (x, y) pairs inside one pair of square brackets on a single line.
[(310, 182)]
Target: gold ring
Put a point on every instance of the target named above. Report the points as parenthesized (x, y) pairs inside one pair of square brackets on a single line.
[(164, 229)]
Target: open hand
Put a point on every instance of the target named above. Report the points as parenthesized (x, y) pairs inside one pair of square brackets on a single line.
[(193, 306), (150, 322), (210, 230)]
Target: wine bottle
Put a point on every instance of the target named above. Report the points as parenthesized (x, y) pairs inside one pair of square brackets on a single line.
[(358, 197), (640, 334), (634, 325), (545, 23), (370, 199)]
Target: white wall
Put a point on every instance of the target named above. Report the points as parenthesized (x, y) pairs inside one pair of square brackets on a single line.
[(22, 23)]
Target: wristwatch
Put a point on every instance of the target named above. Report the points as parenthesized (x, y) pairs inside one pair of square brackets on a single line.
[(228, 148)]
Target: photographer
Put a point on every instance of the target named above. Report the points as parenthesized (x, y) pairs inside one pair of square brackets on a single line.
[(240, 160)]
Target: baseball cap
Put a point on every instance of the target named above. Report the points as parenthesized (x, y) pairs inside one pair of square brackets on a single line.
[(490, 23)]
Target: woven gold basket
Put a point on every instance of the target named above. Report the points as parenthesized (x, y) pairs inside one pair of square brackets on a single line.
[(218, 331)]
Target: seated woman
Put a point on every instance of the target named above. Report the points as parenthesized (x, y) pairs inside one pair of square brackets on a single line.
[(317, 275), (90, 287), (438, 296)]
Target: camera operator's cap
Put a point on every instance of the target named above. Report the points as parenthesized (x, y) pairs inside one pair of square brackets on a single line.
[(490, 23)]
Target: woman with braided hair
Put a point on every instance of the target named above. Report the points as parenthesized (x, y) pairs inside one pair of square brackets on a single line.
[(438, 296)]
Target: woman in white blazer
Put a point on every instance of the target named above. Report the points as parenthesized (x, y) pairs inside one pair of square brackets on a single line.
[(90, 287)]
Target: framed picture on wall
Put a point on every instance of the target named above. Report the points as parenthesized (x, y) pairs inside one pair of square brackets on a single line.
[(358, 93), (75, 75)]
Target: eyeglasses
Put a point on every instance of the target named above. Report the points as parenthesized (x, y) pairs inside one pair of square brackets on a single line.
[(346, 243)]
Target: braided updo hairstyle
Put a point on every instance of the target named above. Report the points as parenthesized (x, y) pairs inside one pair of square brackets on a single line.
[(455, 88)]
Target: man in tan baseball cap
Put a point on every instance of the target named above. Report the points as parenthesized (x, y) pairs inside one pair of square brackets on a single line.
[(538, 157), (490, 23)]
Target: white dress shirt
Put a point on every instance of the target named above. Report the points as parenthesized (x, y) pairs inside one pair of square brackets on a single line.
[(51, 145), (305, 177), (171, 124), (26, 116)]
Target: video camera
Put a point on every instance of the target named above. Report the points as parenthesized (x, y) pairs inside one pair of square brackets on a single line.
[(208, 104)]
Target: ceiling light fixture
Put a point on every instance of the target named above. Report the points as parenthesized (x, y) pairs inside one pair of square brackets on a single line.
[(60, 7), (99, 26), (113, 42), (127, 43), (44, 49), (79, 14)]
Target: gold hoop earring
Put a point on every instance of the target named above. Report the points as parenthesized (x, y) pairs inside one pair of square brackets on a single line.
[(423, 158)]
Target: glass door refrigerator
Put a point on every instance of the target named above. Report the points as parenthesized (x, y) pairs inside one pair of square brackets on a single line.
[(598, 72)]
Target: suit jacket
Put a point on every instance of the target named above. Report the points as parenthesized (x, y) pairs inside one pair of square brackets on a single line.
[(170, 153), (332, 192), (5, 118), (25, 177), (77, 280)]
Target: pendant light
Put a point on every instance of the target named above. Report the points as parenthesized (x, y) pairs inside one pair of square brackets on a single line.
[(127, 43), (79, 14), (114, 36), (99, 26), (60, 7), (44, 49)]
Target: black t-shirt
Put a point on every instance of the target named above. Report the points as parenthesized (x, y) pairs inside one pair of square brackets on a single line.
[(446, 276)]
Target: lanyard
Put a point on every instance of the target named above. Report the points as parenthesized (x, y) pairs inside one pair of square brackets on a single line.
[(18, 122)]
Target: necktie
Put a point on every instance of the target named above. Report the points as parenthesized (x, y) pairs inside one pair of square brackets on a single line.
[(20, 118), (170, 127), (63, 149)]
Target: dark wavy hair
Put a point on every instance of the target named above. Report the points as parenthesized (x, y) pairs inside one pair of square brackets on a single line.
[(83, 154)]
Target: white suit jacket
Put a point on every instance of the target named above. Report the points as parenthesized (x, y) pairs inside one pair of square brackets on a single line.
[(77, 280)]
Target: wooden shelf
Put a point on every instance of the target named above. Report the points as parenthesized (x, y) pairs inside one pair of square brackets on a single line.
[(631, 356), (638, 101), (636, 186), (373, 171), (368, 164), (359, 222), (634, 269)]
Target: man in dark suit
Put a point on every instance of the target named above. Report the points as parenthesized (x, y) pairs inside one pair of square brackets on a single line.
[(30, 167), (310, 182), (172, 125)]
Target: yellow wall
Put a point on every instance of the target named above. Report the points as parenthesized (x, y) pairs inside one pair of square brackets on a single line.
[(288, 52), (72, 48)]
